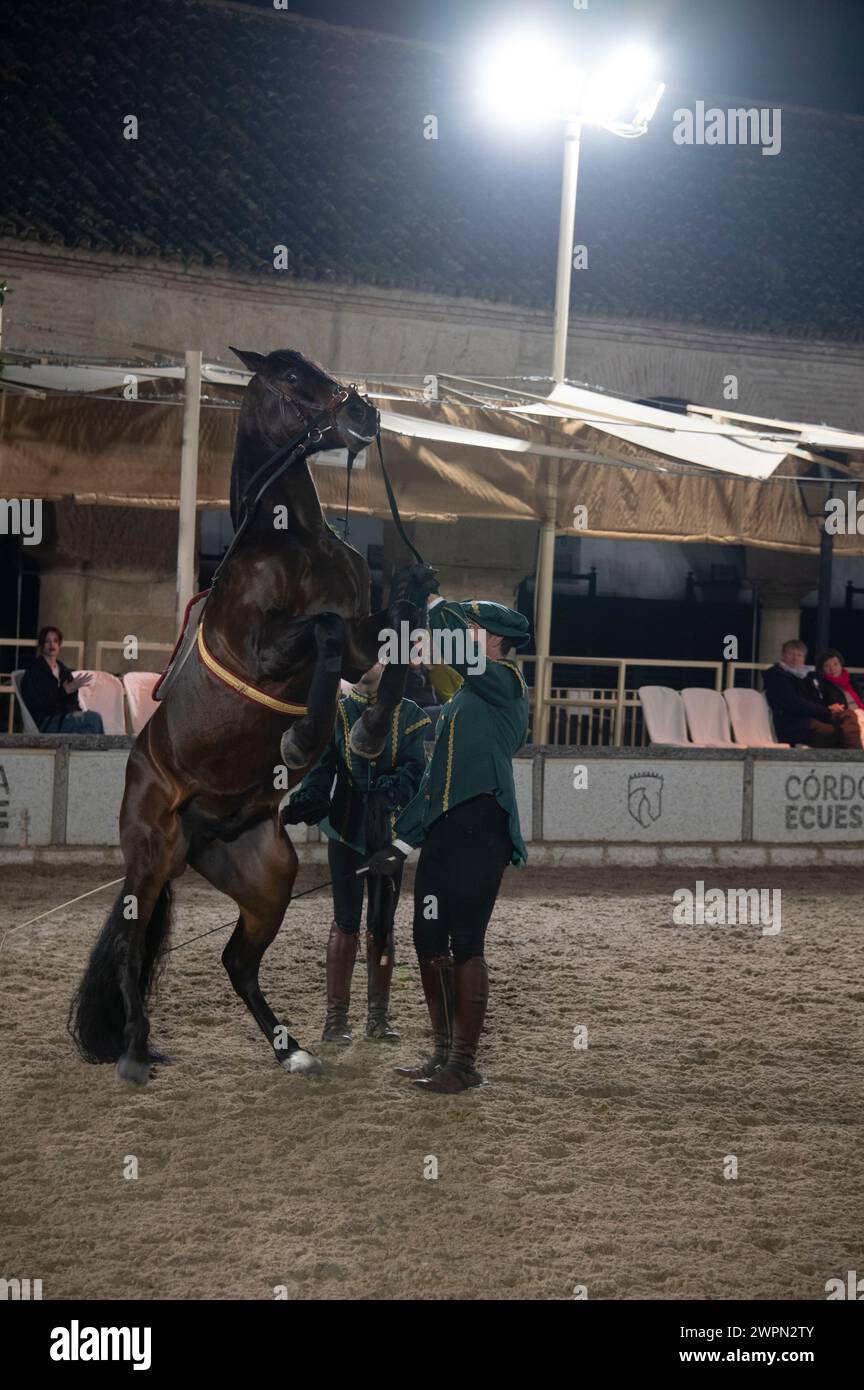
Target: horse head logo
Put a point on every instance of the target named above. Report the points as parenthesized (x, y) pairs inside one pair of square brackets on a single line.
[(644, 797)]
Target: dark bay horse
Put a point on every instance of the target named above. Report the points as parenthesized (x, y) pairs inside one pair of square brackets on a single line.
[(287, 616)]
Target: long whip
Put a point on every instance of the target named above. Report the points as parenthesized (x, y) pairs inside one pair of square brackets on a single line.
[(113, 883)]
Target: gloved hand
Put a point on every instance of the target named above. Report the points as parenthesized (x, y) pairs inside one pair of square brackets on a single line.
[(303, 810), (387, 797), (414, 583), (384, 863)]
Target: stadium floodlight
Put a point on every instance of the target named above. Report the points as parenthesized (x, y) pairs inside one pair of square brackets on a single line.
[(622, 94), (527, 79)]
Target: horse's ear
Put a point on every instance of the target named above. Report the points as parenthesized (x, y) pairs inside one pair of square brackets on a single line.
[(253, 360)]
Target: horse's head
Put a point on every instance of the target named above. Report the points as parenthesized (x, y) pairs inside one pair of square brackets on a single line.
[(288, 392)]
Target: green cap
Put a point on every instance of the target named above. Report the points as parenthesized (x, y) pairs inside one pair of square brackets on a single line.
[(495, 617)]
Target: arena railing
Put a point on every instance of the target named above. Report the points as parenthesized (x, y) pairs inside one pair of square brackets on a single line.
[(73, 656), (733, 667), (18, 645), (620, 702), (590, 716), (163, 648), (612, 716)]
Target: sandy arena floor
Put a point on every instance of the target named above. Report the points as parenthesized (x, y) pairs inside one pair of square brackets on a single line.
[(601, 1167)]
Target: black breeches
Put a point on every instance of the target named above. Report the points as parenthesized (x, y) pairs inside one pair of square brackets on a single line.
[(348, 886), (458, 877)]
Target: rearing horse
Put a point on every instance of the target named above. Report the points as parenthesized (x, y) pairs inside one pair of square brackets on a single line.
[(287, 616)]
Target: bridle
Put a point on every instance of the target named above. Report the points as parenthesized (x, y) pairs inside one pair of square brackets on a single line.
[(316, 424), (314, 427), (307, 414)]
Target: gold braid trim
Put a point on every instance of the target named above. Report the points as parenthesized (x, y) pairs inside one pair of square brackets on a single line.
[(250, 692), (394, 733), (347, 728), (513, 667), (449, 760), (419, 725)]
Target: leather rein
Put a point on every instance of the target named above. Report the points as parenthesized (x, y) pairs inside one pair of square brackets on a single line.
[(315, 427)]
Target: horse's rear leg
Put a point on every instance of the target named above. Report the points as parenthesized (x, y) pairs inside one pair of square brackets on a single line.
[(155, 848), (310, 733), (257, 870), (136, 939)]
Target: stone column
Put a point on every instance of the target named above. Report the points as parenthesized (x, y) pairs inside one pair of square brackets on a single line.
[(107, 573), (784, 581), (474, 559)]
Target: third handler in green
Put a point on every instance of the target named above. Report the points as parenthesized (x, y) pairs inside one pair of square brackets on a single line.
[(465, 817)]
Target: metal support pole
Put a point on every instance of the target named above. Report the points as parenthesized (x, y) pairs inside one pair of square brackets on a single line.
[(620, 697), (567, 222), (543, 599), (823, 611), (186, 549)]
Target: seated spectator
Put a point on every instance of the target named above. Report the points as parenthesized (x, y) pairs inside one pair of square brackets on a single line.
[(831, 670), (49, 690), (805, 709)]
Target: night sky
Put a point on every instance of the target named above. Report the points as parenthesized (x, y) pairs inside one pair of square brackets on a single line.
[(798, 52)]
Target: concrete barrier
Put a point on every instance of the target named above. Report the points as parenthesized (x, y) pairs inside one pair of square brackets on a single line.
[(60, 799)]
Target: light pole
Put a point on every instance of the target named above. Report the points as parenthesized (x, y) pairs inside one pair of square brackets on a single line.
[(566, 226), (527, 80)]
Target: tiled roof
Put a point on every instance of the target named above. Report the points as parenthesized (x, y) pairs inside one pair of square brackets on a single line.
[(256, 129)]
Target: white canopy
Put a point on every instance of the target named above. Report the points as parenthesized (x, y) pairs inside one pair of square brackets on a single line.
[(694, 441), (722, 442)]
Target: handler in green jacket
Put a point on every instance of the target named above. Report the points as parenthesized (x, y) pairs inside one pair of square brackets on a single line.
[(466, 819), (358, 819)]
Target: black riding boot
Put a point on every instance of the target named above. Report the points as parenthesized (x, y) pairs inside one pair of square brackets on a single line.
[(378, 994), (471, 993), (437, 978), (341, 954)]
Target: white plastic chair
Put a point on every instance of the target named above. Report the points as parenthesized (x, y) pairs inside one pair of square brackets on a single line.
[(28, 723), (751, 719), (138, 686), (104, 696), (707, 717), (664, 716)]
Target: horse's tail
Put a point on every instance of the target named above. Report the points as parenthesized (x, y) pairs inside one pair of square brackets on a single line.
[(97, 1017)]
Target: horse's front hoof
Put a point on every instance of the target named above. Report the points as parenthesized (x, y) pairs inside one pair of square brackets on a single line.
[(293, 755), (136, 1073), (366, 745), (303, 1063)]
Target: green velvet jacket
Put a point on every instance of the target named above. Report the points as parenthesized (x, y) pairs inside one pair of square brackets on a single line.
[(398, 770), (478, 732)]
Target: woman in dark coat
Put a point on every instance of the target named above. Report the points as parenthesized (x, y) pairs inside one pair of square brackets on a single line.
[(49, 690), (805, 708)]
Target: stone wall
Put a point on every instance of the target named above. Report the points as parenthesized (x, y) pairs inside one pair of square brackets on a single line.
[(490, 565), (619, 806), (108, 573), (87, 303)]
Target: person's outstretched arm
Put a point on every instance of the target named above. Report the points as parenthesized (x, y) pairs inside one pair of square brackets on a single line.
[(497, 681)]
